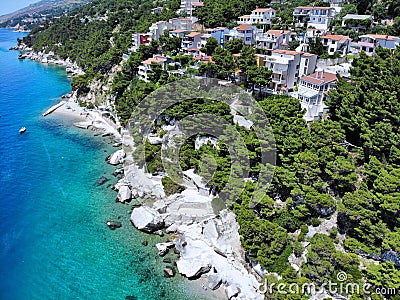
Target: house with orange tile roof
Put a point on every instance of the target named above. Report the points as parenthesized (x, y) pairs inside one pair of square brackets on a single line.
[(145, 67), (287, 67), (191, 40), (339, 44), (317, 17), (313, 91), (245, 32)]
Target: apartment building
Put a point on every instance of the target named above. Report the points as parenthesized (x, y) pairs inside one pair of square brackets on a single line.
[(317, 17), (287, 67), (313, 90)]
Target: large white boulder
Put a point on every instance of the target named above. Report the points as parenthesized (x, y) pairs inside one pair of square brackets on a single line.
[(146, 219), (117, 157), (193, 268), (124, 194)]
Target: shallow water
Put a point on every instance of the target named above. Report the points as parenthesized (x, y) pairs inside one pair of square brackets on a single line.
[(53, 237)]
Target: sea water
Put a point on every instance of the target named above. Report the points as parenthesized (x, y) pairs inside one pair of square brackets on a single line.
[(54, 242)]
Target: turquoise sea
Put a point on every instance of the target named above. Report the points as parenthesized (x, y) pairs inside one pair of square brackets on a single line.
[(54, 243)]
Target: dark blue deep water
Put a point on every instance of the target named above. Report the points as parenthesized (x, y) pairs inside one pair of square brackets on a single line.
[(54, 243)]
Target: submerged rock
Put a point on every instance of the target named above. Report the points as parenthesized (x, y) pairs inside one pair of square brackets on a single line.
[(146, 219), (101, 181), (114, 225), (169, 272)]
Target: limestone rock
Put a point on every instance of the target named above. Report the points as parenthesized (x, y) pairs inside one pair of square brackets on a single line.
[(232, 291), (124, 194), (146, 219), (193, 268), (117, 158)]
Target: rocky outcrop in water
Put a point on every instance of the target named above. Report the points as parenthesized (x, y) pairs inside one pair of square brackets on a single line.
[(146, 219)]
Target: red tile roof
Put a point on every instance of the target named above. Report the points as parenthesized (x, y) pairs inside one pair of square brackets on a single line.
[(243, 27), (197, 4), (320, 77), (287, 52), (264, 9), (193, 34), (278, 33), (151, 60), (335, 37)]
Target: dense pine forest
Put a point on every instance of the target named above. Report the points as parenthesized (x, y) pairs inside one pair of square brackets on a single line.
[(344, 168)]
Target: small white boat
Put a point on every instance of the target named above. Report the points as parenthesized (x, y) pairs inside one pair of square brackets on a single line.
[(22, 130)]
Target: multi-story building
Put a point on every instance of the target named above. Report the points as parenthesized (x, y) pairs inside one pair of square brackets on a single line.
[(317, 17), (273, 39), (259, 16), (218, 33), (188, 6), (146, 66), (313, 90), (191, 41), (339, 44), (245, 32), (140, 39), (287, 67), (179, 33), (157, 29), (369, 42)]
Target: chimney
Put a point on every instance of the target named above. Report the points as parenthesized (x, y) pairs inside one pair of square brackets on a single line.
[(323, 74)]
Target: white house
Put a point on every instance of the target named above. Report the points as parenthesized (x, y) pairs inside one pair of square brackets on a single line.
[(313, 90), (317, 17), (157, 29), (245, 32), (357, 22), (145, 68), (339, 44), (260, 16), (369, 42), (140, 39), (287, 67), (273, 39), (191, 41), (188, 6)]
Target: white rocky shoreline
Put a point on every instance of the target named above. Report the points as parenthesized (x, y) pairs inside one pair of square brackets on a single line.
[(208, 243)]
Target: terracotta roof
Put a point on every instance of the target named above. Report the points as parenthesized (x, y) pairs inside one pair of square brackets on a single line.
[(287, 52), (381, 37), (206, 36), (277, 33), (197, 4), (320, 77), (335, 37), (264, 9), (151, 60), (308, 54), (178, 31), (243, 27), (193, 34)]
